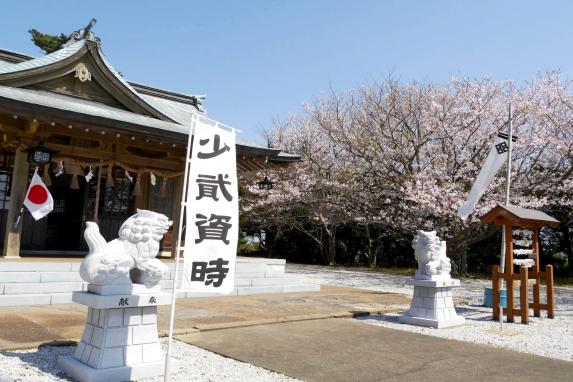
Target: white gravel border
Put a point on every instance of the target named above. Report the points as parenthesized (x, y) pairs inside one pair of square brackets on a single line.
[(196, 364), (545, 337)]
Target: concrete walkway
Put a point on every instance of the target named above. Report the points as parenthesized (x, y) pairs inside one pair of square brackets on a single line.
[(26, 327), (307, 335), (348, 350)]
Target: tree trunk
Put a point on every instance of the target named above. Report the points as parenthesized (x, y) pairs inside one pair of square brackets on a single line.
[(331, 244), (464, 262), (568, 249), (370, 255), (270, 238), (457, 251)]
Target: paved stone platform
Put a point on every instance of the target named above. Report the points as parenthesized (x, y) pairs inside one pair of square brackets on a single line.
[(348, 350), (25, 327)]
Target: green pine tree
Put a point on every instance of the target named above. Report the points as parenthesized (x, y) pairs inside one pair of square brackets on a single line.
[(48, 43)]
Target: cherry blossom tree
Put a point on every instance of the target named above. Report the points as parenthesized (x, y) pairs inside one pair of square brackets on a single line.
[(394, 157)]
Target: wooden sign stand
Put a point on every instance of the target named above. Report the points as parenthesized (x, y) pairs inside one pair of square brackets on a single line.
[(515, 217)]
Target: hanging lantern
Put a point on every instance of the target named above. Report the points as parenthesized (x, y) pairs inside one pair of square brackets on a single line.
[(265, 184), (40, 154)]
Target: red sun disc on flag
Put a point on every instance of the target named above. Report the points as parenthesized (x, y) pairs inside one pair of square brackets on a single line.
[(37, 194)]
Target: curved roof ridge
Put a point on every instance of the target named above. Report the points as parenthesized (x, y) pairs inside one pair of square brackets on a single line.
[(48, 59), (124, 82)]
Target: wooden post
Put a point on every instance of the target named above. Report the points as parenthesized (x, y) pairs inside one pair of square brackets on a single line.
[(17, 195), (537, 285), (98, 186), (495, 291), (550, 296), (509, 271), (523, 295), (142, 200), (177, 208)]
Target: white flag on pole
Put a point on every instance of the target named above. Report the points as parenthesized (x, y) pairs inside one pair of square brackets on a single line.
[(38, 200), (212, 211), (495, 159)]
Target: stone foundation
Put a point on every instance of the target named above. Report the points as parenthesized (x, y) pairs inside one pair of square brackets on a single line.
[(120, 341), (432, 304)]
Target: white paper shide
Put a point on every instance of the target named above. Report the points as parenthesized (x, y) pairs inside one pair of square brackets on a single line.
[(212, 211)]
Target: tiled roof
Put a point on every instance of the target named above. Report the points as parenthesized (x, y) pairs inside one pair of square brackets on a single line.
[(87, 107), (528, 214), (518, 215), (48, 59), (180, 112)]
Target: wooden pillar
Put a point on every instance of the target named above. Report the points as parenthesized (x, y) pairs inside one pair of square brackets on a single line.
[(523, 294), (17, 195), (509, 270), (495, 291), (177, 209), (537, 285), (97, 195), (550, 292), (142, 200)]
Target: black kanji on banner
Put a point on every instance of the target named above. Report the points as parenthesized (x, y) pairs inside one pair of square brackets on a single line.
[(501, 148), (217, 150), (209, 185), (214, 274), (217, 229)]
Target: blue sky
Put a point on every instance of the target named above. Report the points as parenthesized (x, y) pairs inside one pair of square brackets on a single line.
[(260, 59)]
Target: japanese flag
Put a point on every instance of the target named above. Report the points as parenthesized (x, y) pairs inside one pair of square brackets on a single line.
[(38, 200)]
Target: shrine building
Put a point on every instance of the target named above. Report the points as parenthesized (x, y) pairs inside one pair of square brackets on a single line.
[(116, 146)]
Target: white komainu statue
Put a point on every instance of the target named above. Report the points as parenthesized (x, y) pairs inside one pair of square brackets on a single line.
[(430, 252), (131, 256)]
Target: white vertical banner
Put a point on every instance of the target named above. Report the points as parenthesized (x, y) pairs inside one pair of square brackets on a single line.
[(212, 211), (493, 163)]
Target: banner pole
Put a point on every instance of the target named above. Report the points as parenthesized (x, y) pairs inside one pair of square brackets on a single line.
[(507, 187), (178, 252)]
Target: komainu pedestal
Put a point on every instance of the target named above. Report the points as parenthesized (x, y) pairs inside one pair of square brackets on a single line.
[(432, 304), (120, 341), (120, 337)]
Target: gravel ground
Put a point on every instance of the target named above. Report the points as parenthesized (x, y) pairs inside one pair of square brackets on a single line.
[(196, 365), (545, 337)]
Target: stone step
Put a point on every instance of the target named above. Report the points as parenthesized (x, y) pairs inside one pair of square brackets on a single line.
[(44, 282), (240, 282), (39, 267), (47, 287), (238, 274), (25, 299), (277, 289), (240, 267), (49, 277), (270, 281), (22, 277)]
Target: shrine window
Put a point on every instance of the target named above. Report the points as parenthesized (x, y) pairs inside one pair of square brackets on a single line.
[(162, 201), (6, 169)]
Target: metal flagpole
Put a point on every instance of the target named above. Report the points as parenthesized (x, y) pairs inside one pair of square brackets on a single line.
[(507, 186), (178, 251)]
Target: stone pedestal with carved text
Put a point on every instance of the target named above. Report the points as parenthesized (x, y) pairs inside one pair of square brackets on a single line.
[(432, 304), (120, 341)]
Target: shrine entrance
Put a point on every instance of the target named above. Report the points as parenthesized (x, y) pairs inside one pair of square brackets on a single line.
[(61, 232)]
